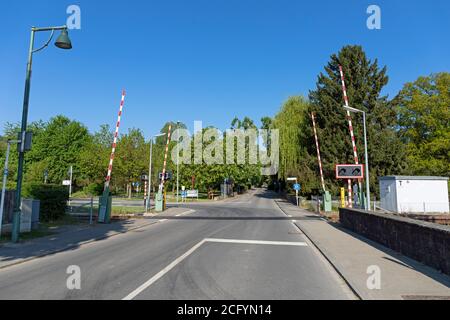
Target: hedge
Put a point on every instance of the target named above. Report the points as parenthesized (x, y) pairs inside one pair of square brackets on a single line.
[(53, 199)]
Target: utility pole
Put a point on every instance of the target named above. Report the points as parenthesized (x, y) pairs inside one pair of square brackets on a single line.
[(178, 166)]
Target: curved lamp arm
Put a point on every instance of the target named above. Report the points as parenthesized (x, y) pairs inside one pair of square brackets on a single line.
[(46, 44)]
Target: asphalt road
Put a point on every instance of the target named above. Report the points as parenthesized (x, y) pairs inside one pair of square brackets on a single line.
[(241, 249)]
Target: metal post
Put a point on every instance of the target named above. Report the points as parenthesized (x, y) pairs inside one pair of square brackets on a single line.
[(91, 209), (149, 177), (178, 155), (5, 178), (178, 166), (70, 186), (367, 164), (26, 100)]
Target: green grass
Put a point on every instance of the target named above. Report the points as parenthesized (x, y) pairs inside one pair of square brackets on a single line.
[(122, 210), (44, 229), (64, 220)]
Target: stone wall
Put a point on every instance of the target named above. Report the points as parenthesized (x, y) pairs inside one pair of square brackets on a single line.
[(423, 241)]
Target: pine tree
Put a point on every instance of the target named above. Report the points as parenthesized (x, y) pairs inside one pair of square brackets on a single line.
[(364, 81)]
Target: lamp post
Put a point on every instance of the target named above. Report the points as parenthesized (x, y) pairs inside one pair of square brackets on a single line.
[(367, 206), (147, 204), (178, 156), (62, 42)]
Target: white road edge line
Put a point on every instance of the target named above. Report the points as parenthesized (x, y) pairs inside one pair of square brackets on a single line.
[(274, 243), (163, 272), (160, 274), (186, 212)]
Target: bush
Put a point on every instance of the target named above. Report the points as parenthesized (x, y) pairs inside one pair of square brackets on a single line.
[(53, 199), (93, 189)]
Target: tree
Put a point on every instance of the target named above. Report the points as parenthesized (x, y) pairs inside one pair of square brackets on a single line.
[(56, 146), (59, 145), (364, 82), (291, 122), (131, 159), (94, 157), (424, 124)]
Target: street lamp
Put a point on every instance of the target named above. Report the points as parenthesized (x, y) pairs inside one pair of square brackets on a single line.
[(62, 42), (178, 155), (147, 204), (367, 206)]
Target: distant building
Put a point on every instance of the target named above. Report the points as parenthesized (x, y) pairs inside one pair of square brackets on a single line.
[(414, 194)]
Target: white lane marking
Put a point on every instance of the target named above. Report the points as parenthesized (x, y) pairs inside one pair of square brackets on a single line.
[(186, 212), (162, 272), (178, 215), (273, 243)]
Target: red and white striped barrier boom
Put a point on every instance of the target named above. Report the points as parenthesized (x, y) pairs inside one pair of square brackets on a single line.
[(165, 160), (352, 136), (116, 135), (318, 151)]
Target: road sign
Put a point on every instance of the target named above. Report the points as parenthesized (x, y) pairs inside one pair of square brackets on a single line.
[(349, 171), (168, 176), (192, 193), (297, 187), (291, 179), (66, 182)]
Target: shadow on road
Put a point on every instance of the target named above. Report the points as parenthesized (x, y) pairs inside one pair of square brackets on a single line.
[(68, 237)]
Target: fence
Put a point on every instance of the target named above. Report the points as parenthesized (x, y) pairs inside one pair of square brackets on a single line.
[(84, 210)]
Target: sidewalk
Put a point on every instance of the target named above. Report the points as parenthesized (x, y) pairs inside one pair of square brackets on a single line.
[(71, 237), (351, 255)]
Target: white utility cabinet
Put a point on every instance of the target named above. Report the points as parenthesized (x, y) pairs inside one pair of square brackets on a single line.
[(414, 194)]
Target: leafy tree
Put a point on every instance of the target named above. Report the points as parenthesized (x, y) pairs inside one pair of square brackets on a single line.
[(131, 160), (291, 122), (424, 124), (58, 145), (94, 157), (364, 82)]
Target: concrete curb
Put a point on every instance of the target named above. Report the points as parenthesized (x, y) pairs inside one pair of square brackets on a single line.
[(115, 233)]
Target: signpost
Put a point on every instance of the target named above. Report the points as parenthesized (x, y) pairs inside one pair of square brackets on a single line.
[(349, 171), (192, 194), (297, 188)]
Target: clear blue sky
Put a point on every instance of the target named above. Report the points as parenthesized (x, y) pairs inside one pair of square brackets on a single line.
[(205, 60)]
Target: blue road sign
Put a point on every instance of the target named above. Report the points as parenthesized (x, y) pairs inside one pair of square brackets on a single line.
[(297, 187)]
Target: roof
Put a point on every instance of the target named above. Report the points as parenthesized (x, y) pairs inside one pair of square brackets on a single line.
[(412, 178)]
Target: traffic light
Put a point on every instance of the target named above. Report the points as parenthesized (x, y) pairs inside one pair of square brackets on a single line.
[(349, 171)]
